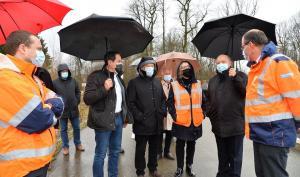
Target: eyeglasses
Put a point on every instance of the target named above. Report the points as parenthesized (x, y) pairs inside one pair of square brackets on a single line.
[(244, 45)]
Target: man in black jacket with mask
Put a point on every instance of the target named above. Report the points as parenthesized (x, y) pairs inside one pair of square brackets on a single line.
[(146, 101), (105, 94), (67, 87), (225, 108)]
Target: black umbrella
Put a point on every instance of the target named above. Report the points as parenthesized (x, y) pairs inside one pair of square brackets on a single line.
[(224, 35), (93, 36)]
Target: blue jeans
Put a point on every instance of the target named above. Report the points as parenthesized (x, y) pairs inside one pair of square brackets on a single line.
[(64, 131), (108, 140)]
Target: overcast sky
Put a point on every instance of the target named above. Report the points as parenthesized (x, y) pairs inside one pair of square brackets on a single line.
[(271, 10)]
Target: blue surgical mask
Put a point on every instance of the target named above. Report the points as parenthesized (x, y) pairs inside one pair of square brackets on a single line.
[(222, 67), (149, 71), (39, 59), (167, 77), (64, 75)]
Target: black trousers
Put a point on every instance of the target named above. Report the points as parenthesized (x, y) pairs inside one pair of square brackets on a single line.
[(230, 154), (168, 140), (140, 149), (42, 172), (190, 151), (270, 161)]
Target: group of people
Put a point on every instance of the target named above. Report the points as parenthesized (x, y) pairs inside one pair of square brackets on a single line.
[(264, 106)]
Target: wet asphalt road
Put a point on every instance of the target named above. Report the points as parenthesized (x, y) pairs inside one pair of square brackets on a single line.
[(205, 162)]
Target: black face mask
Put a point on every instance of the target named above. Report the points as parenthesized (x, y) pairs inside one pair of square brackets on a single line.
[(119, 69), (187, 73)]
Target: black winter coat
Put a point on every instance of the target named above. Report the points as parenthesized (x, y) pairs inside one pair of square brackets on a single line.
[(226, 104), (102, 103), (147, 103), (70, 92)]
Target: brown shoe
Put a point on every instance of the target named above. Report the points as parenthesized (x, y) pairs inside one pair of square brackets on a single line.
[(65, 151), (155, 174), (80, 148)]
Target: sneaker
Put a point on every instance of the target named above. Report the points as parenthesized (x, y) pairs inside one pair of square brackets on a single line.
[(178, 172), (189, 171), (65, 151)]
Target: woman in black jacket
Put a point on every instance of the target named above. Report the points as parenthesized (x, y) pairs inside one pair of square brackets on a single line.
[(186, 135)]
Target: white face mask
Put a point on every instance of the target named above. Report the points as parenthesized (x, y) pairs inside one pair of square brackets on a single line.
[(39, 59), (167, 77), (221, 67), (149, 71), (64, 75)]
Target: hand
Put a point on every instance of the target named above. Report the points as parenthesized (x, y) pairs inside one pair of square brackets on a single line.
[(232, 72), (108, 84), (125, 125), (298, 130)]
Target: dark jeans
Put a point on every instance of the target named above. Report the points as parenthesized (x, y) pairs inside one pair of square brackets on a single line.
[(42, 172), (270, 161), (190, 151), (64, 131), (230, 154), (168, 140), (108, 140), (140, 162)]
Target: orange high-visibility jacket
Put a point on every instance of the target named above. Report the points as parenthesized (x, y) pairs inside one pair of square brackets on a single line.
[(188, 107), (273, 101), (27, 138)]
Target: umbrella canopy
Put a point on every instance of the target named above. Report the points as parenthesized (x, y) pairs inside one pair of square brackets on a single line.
[(171, 61), (93, 36), (223, 36), (30, 15)]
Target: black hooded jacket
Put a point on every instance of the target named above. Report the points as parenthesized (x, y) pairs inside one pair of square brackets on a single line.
[(69, 90), (191, 133), (146, 102), (226, 103)]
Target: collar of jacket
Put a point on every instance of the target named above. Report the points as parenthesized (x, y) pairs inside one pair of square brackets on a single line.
[(20, 66)]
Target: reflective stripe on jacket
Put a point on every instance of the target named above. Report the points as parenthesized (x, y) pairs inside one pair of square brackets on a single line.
[(272, 101)]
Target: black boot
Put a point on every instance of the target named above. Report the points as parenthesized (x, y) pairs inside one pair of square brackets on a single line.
[(178, 172), (189, 171)]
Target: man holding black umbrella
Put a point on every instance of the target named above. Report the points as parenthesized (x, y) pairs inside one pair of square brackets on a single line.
[(226, 102), (105, 94), (272, 104)]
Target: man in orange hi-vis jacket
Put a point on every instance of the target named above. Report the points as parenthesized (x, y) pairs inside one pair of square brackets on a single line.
[(272, 104), (28, 110)]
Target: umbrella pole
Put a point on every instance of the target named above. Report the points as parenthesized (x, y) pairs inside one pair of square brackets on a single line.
[(2, 32)]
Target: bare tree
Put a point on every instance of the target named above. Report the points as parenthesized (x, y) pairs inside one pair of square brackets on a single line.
[(231, 7), (145, 12), (189, 19)]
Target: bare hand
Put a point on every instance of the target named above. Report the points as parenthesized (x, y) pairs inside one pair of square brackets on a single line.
[(108, 84), (125, 125), (232, 72)]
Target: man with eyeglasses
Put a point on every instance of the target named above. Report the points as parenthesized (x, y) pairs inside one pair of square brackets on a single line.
[(272, 104)]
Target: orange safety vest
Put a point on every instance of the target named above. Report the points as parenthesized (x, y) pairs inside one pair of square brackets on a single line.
[(272, 101), (21, 152), (188, 107)]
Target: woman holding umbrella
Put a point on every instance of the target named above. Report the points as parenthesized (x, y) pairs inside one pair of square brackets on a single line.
[(184, 105)]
